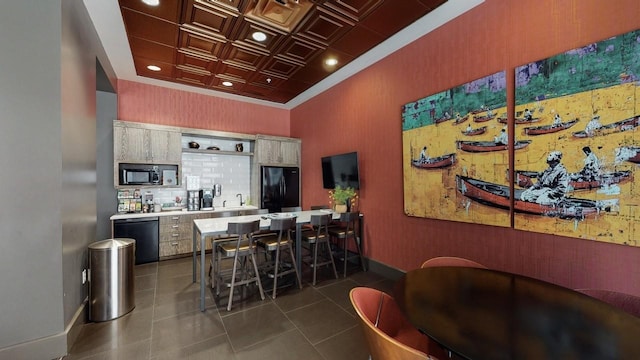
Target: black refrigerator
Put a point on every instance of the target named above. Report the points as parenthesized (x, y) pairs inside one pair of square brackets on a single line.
[(280, 187)]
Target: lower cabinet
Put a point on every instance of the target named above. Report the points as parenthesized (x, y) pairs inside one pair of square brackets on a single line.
[(176, 234)]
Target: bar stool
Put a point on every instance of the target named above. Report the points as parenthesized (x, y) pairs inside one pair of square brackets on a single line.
[(275, 243), (346, 232), (319, 235), (242, 250)]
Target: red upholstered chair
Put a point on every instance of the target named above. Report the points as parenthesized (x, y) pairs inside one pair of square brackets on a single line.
[(622, 301), (451, 261), (387, 332)]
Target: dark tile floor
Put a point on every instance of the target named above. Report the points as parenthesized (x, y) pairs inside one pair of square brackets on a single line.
[(316, 322)]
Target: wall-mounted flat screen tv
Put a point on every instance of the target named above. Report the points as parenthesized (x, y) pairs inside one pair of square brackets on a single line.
[(340, 170)]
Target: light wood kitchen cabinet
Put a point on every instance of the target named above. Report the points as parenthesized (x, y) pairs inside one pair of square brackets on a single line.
[(176, 233), (272, 150), (145, 143)]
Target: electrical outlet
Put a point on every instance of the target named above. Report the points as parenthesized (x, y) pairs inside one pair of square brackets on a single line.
[(84, 276)]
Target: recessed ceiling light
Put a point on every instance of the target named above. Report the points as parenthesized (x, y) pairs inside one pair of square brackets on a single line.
[(151, 2), (259, 36), (331, 62), (227, 83), (153, 68)]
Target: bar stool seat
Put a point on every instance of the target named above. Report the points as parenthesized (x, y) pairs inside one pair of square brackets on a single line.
[(242, 250), (275, 243), (319, 235), (343, 234)]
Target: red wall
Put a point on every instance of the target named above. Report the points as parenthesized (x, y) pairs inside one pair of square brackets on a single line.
[(158, 105), (363, 114)]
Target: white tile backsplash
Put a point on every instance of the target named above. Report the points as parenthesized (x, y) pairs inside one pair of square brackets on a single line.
[(231, 171)]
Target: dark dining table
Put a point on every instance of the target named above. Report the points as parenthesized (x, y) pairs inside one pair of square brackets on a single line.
[(488, 314)]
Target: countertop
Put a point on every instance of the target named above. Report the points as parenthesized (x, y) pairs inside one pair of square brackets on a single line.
[(180, 212)]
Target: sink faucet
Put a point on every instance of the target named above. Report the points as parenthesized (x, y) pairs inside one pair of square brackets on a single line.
[(241, 202), (224, 203)]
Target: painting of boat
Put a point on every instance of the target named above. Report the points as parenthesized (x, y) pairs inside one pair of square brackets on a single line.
[(518, 121), (548, 129), (620, 126), (498, 196), (435, 163), (442, 119), (628, 153), (461, 120), (576, 181), (486, 146), (483, 118), (474, 132)]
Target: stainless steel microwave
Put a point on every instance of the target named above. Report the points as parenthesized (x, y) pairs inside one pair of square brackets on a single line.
[(139, 176)]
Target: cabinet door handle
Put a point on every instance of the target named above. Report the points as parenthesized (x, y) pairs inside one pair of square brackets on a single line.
[(175, 235), (174, 244), (175, 226), (175, 218)]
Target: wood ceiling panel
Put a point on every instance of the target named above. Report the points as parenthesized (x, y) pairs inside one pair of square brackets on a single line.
[(248, 27), (205, 42), (166, 10), (192, 78), (245, 57), (152, 50), (324, 27), (298, 50), (150, 28), (234, 5), (230, 71), (392, 16), (209, 19), (358, 41), (165, 73), (354, 9), (194, 63), (280, 67), (267, 81), (195, 42)]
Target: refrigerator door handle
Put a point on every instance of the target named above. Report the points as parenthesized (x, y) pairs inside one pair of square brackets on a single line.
[(284, 186)]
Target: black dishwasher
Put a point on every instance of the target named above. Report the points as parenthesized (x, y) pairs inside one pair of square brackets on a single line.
[(146, 233)]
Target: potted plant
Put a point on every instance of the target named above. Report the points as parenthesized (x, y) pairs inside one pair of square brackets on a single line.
[(341, 198)]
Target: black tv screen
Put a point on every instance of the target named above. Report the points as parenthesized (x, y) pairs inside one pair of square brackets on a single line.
[(340, 170)]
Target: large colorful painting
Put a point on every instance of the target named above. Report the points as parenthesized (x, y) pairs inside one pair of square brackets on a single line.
[(450, 138), (576, 147), (580, 110)]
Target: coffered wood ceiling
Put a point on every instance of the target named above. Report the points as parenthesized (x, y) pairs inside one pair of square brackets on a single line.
[(204, 43)]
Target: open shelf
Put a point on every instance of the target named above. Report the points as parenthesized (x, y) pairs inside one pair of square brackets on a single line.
[(216, 152)]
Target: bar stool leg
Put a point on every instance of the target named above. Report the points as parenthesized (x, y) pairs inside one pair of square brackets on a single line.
[(275, 271), (233, 279), (295, 267), (315, 261), (255, 269), (333, 264)]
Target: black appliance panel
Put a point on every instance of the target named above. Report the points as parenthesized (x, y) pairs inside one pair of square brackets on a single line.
[(145, 232), (280, 187)]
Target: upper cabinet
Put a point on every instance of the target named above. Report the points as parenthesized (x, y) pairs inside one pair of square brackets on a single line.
[(145, 143), (273, 150)]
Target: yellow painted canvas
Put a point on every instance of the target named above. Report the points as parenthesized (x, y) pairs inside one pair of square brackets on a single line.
[(449, 138), (580, 110)]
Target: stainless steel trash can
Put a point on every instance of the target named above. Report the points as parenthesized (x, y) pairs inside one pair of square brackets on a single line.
[(111, 278)]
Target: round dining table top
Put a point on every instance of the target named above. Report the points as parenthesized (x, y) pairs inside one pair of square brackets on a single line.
[(488, 314)]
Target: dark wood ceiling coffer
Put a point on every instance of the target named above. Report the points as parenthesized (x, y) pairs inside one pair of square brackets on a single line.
[(205, 42), (356, 10), (211, 19), (324, 27)]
